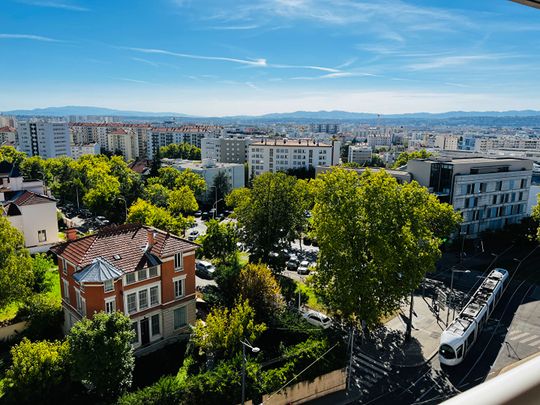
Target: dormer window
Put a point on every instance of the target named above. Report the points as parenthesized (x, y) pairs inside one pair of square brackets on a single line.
[(108, 285)]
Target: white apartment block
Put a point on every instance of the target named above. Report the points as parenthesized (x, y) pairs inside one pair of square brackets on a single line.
[(447, 142), (226, 150), (519, 143), (192, 134), (78, 150), (8, 135), (43, 138), (490, 193), (377, 140), (359, 154), (273, 155), (124, 141)]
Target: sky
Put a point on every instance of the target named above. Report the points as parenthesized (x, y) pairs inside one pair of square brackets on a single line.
[(250, 57)]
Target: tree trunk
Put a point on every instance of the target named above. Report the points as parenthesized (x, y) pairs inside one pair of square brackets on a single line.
[(408, 332)]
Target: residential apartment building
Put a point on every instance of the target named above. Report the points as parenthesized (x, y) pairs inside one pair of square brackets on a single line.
[(192, 134), (490, 193), (359, 154), (378, 140), (124, 141), (146, 273), (325, 128), (226, 150), (209, 169), (43, 138), (509, 143), (78, 150), (447, 142), (8, 135), (273, 155)]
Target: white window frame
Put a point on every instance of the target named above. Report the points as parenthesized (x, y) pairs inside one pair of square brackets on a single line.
[(136, 291), (66, 289), (184, 307), (145, 293), (182, 280), (142, 271), (152, 334), (40, 233), (134, 278), (157, 271), (127, 302), (105, 285), (179, 257), (64, 266), (158, 296), (110, 301)]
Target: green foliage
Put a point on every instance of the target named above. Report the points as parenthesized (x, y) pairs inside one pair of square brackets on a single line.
[(156, 164), (404, 157), (101, 353), (221, 185), (226, 278), (16, 276), (41, 264), (181, 151), (38, 372), (45, 317), (224, 328), (219, 241), (143, 212), (182, 201), (157, 194), (271, 213), (302, 172), (167, 391), (192, 180), (377, 239), (11, 155), (257, 284)]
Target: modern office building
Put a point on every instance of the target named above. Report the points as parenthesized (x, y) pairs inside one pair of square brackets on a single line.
[(192, 134), (226, 149), (490, 193), (43, 138), (359, 154), (273, 155)]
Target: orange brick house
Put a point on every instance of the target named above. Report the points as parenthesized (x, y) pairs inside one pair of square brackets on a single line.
[(141, 271)]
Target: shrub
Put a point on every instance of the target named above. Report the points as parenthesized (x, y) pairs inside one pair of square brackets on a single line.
[(41, 263), (167, 391), (39, 370), (45, 317)]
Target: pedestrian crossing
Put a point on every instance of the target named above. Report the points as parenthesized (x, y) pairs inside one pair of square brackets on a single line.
[(526, 338), (367, 371)]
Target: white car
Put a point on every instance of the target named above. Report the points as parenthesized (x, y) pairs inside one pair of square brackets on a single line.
[(318, 319), (303, 268), (204, 269), (193, 235)]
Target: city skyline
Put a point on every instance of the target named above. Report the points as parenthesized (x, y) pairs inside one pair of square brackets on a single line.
[(249, 58)]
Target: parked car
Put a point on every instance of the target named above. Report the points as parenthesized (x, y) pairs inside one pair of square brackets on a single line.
[(204, 269), (197, 214), (303, 268), (292, 264), (307, 241), (205, 215), (193, 235), (318, 319)]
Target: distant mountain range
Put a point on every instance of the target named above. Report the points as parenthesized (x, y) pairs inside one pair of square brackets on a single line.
[(292, 116)]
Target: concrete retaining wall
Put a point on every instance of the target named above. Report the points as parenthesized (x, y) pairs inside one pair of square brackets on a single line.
[(7, 332)]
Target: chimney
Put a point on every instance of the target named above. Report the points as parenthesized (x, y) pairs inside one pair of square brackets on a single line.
[(151, 237), (71, 234)]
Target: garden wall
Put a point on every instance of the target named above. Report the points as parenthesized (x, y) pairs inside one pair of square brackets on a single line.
[(9, 331)]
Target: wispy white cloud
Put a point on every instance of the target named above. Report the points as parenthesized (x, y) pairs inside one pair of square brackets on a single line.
[(235, 27), (252, 85), (347, 63), (145, 61), (29, 37), (336, 75), (54, 4), (448, 61), (127, 79), (309, 67)]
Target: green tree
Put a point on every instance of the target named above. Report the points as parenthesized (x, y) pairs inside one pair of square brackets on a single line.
[(219, 241), (156, 164), (193, 180), (41, 264), (16, 276), (157, 194), (271, 213), (258, 285), (181, 151), (101, 353), (182, 201), (224, 329), (404, 157), (143, 212), (377, 239), (38, 372), (35, 167), (221, 186), (11, 155)]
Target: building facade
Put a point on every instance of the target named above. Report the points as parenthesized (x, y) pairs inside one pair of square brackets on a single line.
[(146, 273), (226, 150), (8, 135), (273, 155), (192, 134), (490, 193), (78, 150), (43, 138), (359, 154)]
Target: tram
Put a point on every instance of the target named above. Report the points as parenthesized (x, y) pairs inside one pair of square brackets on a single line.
[(462, 333)]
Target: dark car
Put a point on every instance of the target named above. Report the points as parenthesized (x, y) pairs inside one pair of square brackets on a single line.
[(197, 214), (292, 265)]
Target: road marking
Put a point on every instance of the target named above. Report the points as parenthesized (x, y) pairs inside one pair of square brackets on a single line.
[(514, 332), (528, 339), (520, 336), (535, 343)]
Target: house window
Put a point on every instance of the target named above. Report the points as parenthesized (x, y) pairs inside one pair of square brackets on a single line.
[(178, 261), (83, 307), (142, 275), (132, 303), (155, 324), (180, 317), (178, 288), (42, 235), (78, 300), (143, 299), (108, 285), (64, 266), (130, 278), (153, 271), (110, 306), (135, 329), (154, 296), (66, 289)]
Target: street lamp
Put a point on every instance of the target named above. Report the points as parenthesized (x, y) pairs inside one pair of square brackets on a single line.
[(214, 206), (253, 350), (452, 293)]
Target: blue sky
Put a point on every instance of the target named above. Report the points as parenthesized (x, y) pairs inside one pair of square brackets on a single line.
[(221, 57)]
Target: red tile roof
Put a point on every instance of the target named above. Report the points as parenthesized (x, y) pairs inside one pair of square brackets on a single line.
[(30, 198), (123, 246), (118, 131), (7, 129)]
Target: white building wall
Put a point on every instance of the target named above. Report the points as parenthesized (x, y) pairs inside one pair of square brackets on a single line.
[(35, 218)]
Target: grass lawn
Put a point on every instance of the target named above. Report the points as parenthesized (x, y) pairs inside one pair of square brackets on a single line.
[(312, 302)]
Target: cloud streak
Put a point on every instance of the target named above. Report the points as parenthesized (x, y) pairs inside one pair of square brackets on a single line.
[(29, 37), (54, 4), (449, 61)]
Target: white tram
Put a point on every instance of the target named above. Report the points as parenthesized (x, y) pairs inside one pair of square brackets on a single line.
[(460, 335)]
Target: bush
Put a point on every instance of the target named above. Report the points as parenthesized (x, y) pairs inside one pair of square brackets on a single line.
[(45, 317), (38, 372), (41, 263), (167, 391)]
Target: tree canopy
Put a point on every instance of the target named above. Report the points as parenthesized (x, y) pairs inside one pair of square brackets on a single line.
[(219, 241), (143, 212), (377, 239), (404, 157), (181, 151), (101, 353), (271, 213), (16, 275)]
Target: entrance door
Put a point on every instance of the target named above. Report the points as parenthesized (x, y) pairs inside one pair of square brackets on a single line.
[(145, 331)]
